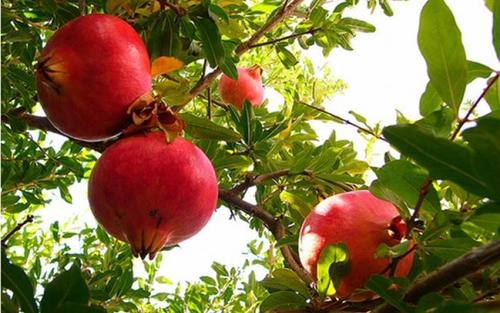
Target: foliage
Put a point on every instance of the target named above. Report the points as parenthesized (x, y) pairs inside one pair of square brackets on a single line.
[(446, 178)]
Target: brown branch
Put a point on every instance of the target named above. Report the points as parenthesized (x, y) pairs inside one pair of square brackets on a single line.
[(28, 219), (42, 123), (344, 121), (287, 10), (474, 105), (310, 31), (449, 273), (273, 224)]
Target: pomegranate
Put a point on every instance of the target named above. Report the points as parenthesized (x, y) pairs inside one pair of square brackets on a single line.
[(362, 222), (151, 193), (89, 73), (248, 86)]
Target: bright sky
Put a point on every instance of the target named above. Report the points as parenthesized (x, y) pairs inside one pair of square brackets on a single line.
[(385, 72)]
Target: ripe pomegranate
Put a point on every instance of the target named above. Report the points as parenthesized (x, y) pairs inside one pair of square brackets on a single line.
[(248, 86), (89, 73), (362, 222), (151, 193)]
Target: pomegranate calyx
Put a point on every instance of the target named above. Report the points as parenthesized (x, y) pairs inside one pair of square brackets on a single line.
[(397, 228), (148, 113), (255, 71)]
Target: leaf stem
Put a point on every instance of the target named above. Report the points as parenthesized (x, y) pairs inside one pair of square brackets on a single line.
[(344, 121)]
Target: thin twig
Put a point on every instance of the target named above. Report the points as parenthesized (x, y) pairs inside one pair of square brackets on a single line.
[(218, 103), (310, 31), (424, 190), (450, 273), (344, 121), (474, 105), (28, 219)]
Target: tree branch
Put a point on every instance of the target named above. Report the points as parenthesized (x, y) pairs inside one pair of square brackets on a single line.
[(42, 123), (310, 31), (273, 224), (287, 10), (28, 219), (449, 273)]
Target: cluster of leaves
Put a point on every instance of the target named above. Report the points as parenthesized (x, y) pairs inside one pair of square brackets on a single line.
[(460, 210)]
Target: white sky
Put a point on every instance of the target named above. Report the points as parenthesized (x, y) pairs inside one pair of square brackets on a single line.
[(384, 72)]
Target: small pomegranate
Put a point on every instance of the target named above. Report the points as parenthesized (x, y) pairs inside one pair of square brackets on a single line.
[(362, 222), (151, 193), (248, 86), (89, 73)]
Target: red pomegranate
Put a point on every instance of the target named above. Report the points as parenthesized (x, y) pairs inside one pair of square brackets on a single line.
[(248, 86), (362, 222), (151, 193), (89, 73)]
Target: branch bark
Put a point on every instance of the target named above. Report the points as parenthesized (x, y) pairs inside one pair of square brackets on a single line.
[(450, 273), (273, 224), (42, 123)]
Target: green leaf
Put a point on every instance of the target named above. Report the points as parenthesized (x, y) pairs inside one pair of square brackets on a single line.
[(493, 96), (215, 10), (15, 279), (358, 25), (229, 68), (67, 287), (283, 300), (102, 235), (442, 158), (485, 141), (79, 308), (430, 100), (383, 287), (487, 216), (205, 129), (388, 252), (400, 181), (333, 265), (440, 42), (211, 41), (297, 200), (496, 27), (287, 58), (246, 122), (439, 123), (449, 249), (477, 70), (286, 279)]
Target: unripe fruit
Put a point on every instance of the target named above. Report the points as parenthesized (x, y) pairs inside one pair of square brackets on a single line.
[(151, 193), (248, 86), (362, 222), (89, 73)]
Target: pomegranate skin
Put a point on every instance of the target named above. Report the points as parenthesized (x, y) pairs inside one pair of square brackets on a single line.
[(248, 86), (359, 220), (151, 193), (89, 73)]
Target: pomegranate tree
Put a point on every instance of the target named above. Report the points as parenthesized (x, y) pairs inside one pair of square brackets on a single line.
[(151, 193), (248, 86), (88, 74), (362, 222)]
